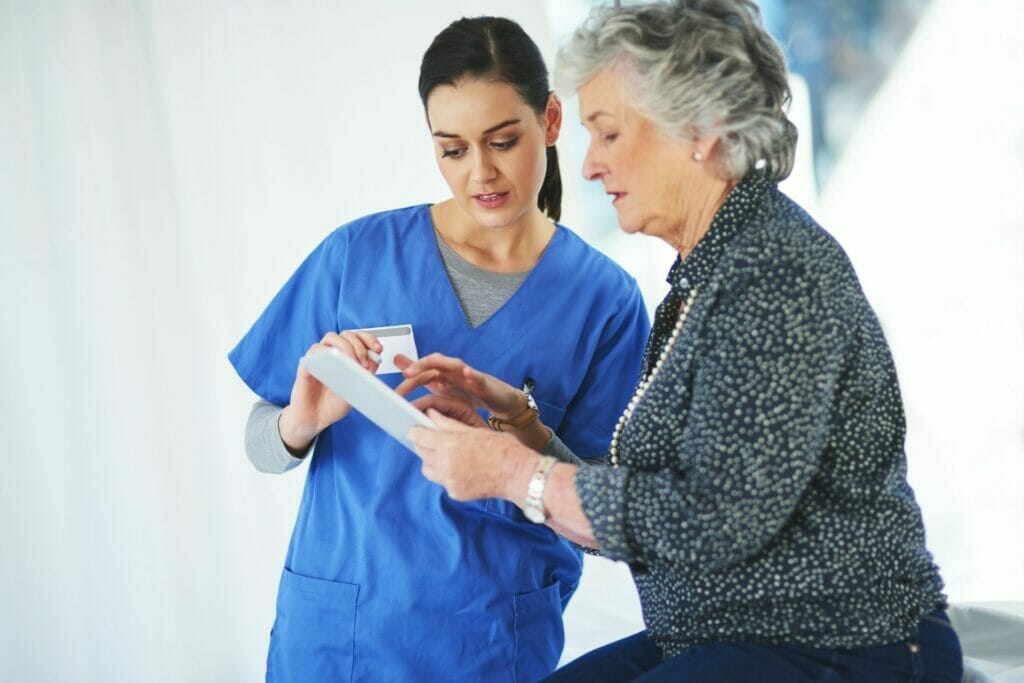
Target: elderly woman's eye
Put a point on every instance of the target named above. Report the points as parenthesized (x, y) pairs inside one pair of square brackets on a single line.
[(609, 137)]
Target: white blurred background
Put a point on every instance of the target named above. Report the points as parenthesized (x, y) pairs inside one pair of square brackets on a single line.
[(164, 166)]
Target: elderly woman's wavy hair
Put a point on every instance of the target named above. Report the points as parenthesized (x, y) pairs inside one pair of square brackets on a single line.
[(696, 68)]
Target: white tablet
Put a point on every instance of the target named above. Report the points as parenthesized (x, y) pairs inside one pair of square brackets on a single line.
[(367, 394)]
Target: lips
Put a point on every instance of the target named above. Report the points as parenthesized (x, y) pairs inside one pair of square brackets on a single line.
[(490, 200), (616, 196)]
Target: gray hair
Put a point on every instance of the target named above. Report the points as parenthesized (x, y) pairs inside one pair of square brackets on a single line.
[(695, 68)]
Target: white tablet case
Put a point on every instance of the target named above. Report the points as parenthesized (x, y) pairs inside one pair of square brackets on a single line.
[(367, 394)]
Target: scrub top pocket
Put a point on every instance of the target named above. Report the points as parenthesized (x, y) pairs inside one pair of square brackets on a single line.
[(314, 632), (540, 634), (550, 414)]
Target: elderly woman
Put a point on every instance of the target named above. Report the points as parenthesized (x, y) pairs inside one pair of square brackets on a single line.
[(757, 485)]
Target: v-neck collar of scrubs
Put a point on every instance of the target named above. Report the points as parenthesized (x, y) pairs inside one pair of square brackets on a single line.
[(539, 277)]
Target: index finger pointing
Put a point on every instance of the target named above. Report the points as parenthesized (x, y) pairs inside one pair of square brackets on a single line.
[(434, 361), (410, 383)]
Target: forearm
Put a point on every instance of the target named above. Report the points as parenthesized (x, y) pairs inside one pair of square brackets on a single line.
[(561, 502), (534, 436), (296, 438), (263, 444), (539, 437), (565, 512), (557, 449)]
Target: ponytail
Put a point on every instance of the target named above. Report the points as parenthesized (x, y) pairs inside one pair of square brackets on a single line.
[(550, 198)]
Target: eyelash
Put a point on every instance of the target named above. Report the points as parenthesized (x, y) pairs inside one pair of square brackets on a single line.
[(609, 138), (500, 145)]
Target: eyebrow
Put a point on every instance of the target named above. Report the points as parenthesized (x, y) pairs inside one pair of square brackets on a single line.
[(507, 122), (597, 114)]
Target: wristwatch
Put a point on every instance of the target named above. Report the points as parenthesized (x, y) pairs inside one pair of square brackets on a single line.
[(533, 506)]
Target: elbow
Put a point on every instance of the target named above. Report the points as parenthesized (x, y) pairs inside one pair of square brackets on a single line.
[(261, 464), (258, 455), (265, 468)]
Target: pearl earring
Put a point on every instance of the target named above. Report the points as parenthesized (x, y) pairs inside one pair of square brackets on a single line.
[(698, 155)]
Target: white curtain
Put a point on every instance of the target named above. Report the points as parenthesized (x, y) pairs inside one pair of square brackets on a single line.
[(927, 201)]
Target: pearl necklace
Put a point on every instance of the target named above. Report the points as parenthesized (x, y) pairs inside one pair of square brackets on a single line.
[(641, 389)]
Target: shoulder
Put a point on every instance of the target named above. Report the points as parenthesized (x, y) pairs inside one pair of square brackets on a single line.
[(587, 266), (783, 263), (784, 244), (370, 229)]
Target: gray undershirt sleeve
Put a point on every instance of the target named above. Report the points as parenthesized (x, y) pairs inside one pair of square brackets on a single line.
[(557, 449), (263, 444)]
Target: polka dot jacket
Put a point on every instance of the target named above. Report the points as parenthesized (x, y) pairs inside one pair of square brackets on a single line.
[(761, 493)]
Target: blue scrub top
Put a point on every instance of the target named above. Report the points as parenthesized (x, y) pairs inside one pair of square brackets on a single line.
[(386, 577)]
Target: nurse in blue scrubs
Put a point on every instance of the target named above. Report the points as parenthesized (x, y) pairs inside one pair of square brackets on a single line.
[(386, 577)]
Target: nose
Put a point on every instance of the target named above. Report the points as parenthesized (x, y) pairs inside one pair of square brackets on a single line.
[(593, 167), (484, 171)]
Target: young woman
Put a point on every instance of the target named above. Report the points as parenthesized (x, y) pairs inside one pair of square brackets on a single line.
[(386, 577)]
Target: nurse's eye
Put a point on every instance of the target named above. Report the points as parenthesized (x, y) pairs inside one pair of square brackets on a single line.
[(453, 152), (502, 145)]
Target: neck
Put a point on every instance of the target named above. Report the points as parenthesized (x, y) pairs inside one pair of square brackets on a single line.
[(704, 199), (507, 249)]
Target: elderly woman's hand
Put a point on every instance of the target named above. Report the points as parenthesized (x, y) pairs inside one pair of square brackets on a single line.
[(472, 462), (452, 408)]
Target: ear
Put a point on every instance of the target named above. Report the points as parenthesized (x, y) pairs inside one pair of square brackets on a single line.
[(552, 119), (703, 148)]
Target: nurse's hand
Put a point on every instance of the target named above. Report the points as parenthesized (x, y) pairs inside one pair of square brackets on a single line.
[(452, 378), (313, 407), (473, 462)]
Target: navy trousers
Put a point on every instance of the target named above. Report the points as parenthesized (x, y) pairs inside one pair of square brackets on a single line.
[(933, 654)]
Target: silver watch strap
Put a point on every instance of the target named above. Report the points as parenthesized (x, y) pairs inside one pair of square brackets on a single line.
[(533, 506)]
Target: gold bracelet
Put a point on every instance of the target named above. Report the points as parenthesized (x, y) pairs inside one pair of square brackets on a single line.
[(512, 424)]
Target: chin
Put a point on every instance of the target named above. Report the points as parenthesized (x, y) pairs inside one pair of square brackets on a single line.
[(496, 219), (489, 220), (630, 226)]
